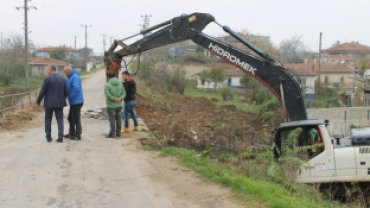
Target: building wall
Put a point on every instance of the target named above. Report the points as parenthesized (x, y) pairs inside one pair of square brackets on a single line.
[(42, 53), (40, 69), (341, 118), (73, 54), (341, 78), (68, 55)]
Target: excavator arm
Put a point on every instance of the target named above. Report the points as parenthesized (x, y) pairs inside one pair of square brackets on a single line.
[(278, 79)]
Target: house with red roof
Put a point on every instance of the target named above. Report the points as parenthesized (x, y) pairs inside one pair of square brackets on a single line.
[(67, 52), (345, 52), (338, 75), (306, 74), (38, 65)]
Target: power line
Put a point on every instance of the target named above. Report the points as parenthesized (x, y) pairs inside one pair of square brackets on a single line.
[(26, 8)]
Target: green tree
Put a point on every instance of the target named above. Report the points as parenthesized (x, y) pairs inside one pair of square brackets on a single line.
[(257, 91), (178, 81), (11, 59), (199, 49), (144, 70), (204, 77), (216, 75), (59, 53)]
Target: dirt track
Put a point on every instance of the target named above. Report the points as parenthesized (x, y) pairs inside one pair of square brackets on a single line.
[(96, 172)]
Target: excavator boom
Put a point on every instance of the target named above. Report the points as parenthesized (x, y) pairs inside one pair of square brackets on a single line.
[(278, 79)]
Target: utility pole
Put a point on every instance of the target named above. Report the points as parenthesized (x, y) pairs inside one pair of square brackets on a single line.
[(319, 83), (75, 41), (143, 27), (104, 42), (1, 40), (145, 23), (86, 49), (110, 42), (26, 8)]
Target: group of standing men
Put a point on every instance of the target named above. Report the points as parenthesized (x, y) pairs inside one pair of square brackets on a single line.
[(115, 92), (55, 90)]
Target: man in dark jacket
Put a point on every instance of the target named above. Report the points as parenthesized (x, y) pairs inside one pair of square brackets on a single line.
[(129, 102), (75, 99), (54, 93)]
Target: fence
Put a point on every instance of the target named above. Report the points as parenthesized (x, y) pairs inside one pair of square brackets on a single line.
[(342, 118), (16, 101)]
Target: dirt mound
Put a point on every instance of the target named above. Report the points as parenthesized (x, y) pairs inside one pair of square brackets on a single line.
[(198, 122), (16, 119)]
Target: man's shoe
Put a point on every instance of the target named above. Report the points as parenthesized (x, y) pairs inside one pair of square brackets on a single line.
[(118, 135), (49, 140), (110, 136), (76, 138), (136, 128), (60, 140), (125, 130), (69, 136)]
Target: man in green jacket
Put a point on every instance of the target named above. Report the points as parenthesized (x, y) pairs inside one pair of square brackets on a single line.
[(114, 93)]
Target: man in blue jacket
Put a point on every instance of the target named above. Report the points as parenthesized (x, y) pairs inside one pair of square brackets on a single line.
[(76, 99), (54, 90)]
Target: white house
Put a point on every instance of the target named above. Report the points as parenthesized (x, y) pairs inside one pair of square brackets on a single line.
[(38, 65), (306, 75), (233, 77)]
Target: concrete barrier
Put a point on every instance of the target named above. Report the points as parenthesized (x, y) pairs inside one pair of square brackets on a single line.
[(341, 118)]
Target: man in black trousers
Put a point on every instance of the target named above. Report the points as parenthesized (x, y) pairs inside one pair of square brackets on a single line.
[(76, 100), (54, 93)]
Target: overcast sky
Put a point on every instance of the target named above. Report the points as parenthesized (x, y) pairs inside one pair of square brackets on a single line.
[(56, 22)]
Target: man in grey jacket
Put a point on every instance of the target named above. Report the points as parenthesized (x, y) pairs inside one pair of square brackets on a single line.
[(54, 93)]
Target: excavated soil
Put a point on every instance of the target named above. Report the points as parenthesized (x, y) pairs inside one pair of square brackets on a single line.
[(197, 122)]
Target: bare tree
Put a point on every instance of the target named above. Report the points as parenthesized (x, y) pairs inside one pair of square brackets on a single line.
[(11, 59), (363, 63), (292, 50)]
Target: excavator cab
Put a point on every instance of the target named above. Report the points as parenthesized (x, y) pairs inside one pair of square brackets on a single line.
[(299, 138)]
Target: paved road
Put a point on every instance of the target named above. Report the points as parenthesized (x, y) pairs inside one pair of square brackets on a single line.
[(93, 172)]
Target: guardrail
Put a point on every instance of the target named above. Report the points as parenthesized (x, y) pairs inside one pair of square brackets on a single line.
[(26, 99)]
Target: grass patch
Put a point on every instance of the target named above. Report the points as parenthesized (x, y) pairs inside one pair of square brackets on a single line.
[(268, 193), (20, 86), (266, 108), (149, 148)]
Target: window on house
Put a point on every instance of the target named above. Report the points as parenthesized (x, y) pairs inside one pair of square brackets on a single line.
[(342, 80)]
